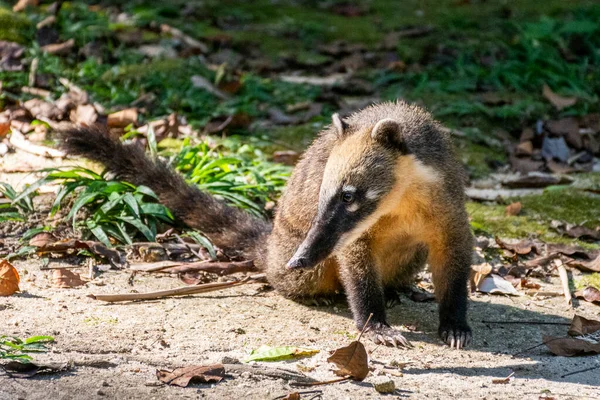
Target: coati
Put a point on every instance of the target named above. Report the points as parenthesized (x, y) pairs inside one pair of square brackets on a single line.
[(374, 198)]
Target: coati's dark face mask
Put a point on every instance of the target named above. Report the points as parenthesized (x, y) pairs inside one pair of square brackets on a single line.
[(359, 175)]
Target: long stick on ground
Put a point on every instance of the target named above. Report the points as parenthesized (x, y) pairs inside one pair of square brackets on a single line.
[(216, 267), (180, 291)]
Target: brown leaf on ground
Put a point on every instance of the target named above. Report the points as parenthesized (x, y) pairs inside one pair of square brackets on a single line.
[(97, 248), (9, 279), (40, 108), (584, 340), (513, 209), (60, 48), (4, 128), (524, 149), (292, 396), (570, 250), (121, 119), (63, 278), (194, 374), (589, 294), (583, 233), (84, 114), (522, 247), (42, 239), (586, 266), (20, 370), (23, 4), (569, 347), (583, 326), (567, 127), (351, 360), (558, 101)]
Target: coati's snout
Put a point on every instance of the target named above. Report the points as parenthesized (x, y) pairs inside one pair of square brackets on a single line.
[(360, 172), (329, 228)]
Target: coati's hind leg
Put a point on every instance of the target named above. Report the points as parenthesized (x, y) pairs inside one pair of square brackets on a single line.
[(365, 292), (450, 263), (402, 281)]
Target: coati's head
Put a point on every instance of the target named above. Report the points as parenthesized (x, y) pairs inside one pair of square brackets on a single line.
[(359, 180)]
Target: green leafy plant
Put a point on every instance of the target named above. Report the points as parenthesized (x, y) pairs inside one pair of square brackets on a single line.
[(240, 175), (114, 209), (19, 206), (16, 349)]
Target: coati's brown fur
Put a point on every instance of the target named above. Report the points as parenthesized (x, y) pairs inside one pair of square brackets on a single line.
[(374, 198)]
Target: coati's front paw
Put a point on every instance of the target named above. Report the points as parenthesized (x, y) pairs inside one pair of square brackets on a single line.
[(383, 334), (455, 335)]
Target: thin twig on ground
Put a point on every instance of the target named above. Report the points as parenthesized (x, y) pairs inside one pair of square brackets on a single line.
[(180, 291)]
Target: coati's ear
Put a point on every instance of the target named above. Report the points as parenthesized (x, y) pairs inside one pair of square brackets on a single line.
[(340, 126), (389, 132)]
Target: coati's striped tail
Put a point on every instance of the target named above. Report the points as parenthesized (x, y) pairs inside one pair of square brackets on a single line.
[(229, 228)]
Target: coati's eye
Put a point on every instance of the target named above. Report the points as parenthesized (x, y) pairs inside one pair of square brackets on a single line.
[(347, 197)]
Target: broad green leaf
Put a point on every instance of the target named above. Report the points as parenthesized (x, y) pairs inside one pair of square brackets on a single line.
[(99, 233), (132, 204), (38, 339), (265, 353), (139, 225)]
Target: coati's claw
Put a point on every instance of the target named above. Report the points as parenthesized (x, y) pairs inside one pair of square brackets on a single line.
[(456, 338), (382, 334)]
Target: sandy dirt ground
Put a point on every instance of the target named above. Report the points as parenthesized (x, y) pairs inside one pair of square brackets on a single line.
[(117, 348)]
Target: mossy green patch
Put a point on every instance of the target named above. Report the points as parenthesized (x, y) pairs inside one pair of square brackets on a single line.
[(479, 159), (572, 206), (14, 27), (585, 280)]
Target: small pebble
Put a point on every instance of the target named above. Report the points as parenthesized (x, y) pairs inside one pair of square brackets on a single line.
[(230, 360), (383, 384)]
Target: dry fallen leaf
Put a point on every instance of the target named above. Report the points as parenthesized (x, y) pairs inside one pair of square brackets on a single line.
[(585, 340), (522, 247), (4, 128), (84, 114), (9, 279), (586, 266), (351, 360), (42, 239), (513, 209), (583, 326), (583, 233), (590, 294), (559, 102), (63, 278), (121, 119), (193, 374), (569, 346)]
